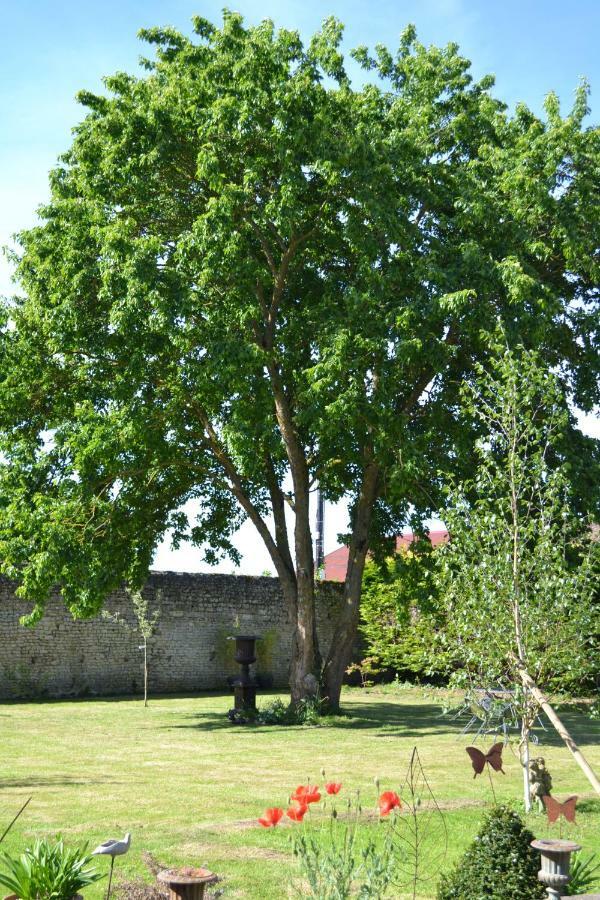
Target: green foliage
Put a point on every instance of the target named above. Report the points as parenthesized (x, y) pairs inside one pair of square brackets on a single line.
[(250, 269), (585, 874), (274, 713), (147, 623), (519, 576), (308, 711), (341, 860), (499, 863), (401, 614), (48, 871)]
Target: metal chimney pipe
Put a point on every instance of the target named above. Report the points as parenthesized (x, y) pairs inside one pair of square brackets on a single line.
[(320, 538)]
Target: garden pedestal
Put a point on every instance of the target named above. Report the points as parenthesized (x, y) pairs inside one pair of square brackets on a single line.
[(556, 861), (186, 884)]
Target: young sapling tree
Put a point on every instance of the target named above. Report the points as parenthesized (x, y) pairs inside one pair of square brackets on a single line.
[(518, 576), (146, 624)]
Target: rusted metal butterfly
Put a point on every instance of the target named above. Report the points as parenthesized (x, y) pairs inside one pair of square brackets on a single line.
[(493, 757), (555, 810)]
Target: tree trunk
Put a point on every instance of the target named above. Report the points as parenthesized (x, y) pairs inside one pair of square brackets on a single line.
[(524, 755), (344, 636), (304, 669), (145, 672)]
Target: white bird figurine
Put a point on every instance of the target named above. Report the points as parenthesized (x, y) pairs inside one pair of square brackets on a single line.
[(112, 848)]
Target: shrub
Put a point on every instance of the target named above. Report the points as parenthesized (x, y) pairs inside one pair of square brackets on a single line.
[(401, 615), (500, 863)]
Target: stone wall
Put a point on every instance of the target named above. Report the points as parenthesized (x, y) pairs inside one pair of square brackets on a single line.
[(60, 657)]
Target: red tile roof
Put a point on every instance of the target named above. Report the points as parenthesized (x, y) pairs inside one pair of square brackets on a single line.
[(336, 562)]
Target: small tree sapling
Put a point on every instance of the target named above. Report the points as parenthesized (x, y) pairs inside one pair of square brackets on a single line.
[(146, 624), (518, 574)]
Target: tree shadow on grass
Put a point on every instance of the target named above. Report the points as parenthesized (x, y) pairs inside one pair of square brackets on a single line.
[(57, 781), (588, 806), (388, 718), (404, 720)]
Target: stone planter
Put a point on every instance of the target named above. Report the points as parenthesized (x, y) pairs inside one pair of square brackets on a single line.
[(186, 883), (556, 863), (244, 685)]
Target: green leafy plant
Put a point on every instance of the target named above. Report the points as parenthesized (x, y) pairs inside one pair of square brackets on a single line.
[(585, 874), (48, 871), (519, 577), (400, 614), (340, 859), (274, 713), (499, 863), (308, 711), (305, 712), (146, 624)]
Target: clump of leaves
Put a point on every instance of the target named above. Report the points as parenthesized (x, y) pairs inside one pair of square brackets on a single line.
[(499, 863), (585, 874), (401, 612), (48, 871), (306, 712), (339, 861)]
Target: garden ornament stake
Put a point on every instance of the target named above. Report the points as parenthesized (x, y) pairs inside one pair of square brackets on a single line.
[(7, 829), (556, 810), (112, 848), (493, 758)]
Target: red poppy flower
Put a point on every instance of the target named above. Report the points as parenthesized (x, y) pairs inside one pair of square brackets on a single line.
[(271, 817), (388, 801), (306, 793), (297, 813), (333, 787)]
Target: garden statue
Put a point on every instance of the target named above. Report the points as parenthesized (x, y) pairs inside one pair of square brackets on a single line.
[(112, 847), (540, 781)]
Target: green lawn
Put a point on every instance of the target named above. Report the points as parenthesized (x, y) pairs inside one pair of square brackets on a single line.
[(190, 786)]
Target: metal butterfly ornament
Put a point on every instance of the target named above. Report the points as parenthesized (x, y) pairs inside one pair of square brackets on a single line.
[(493, 758), (555, 810)]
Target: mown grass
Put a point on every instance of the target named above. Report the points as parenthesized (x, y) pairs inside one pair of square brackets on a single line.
[(190, 786)]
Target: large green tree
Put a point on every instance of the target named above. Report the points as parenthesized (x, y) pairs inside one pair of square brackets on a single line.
[(253, 277)]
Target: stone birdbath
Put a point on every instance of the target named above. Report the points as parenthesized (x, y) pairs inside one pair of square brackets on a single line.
[(186, 883), (556, 862)]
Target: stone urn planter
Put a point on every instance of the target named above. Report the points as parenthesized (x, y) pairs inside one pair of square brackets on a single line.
[(186, 883), (556, 863), (244, 685)]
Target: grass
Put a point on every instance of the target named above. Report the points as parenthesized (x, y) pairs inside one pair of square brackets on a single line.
[(190, 786)]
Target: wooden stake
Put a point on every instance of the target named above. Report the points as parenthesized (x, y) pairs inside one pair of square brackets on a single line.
[(543, 701)]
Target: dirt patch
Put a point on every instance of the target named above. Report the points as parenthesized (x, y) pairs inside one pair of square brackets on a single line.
[(204, 851)]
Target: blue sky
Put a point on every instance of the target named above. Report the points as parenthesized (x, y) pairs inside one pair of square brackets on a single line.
[(53, 49)]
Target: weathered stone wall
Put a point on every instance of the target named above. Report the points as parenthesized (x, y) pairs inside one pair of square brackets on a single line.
[(61, 657)]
